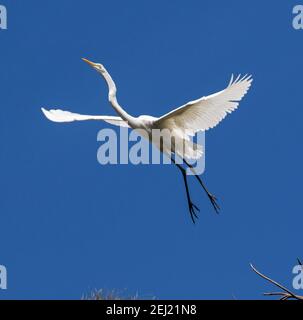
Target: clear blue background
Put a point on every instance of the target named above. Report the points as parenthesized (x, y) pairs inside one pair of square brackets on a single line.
[(69, 225)]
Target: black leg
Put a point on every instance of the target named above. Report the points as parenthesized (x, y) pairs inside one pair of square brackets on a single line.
[(192, 207), (211, 197)]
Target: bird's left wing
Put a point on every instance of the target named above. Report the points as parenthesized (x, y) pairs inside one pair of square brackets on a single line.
[(207, 112), (67, 116)]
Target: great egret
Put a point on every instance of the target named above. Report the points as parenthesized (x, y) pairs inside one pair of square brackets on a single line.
[(198, 115)]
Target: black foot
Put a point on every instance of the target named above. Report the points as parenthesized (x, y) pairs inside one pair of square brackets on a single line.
[(213, 201), (192, 208)]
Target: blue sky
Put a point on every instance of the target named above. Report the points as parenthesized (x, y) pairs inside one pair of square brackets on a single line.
[(69, 225)]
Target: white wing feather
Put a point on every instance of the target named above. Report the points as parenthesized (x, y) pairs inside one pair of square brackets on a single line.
[(66, 116), (206, 112)]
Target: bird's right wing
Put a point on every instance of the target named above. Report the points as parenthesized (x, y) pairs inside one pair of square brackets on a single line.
[(66, 116)]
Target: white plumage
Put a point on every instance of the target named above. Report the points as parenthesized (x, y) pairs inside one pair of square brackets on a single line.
[(57, 115), (206, 112), (198, 115), (183, 122)]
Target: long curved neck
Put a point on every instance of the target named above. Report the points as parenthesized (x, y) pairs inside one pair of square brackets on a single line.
[(112, 97)]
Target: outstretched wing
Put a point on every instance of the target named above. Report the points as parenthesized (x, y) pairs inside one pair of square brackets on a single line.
[(207, 112), (66, 116)]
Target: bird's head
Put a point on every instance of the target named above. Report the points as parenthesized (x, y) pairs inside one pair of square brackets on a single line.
[(97, 66)]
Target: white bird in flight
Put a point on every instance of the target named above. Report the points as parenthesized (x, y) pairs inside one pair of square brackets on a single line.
[(198, 115)]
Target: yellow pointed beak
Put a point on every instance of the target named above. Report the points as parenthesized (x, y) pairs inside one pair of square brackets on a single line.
[(92, 64)]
